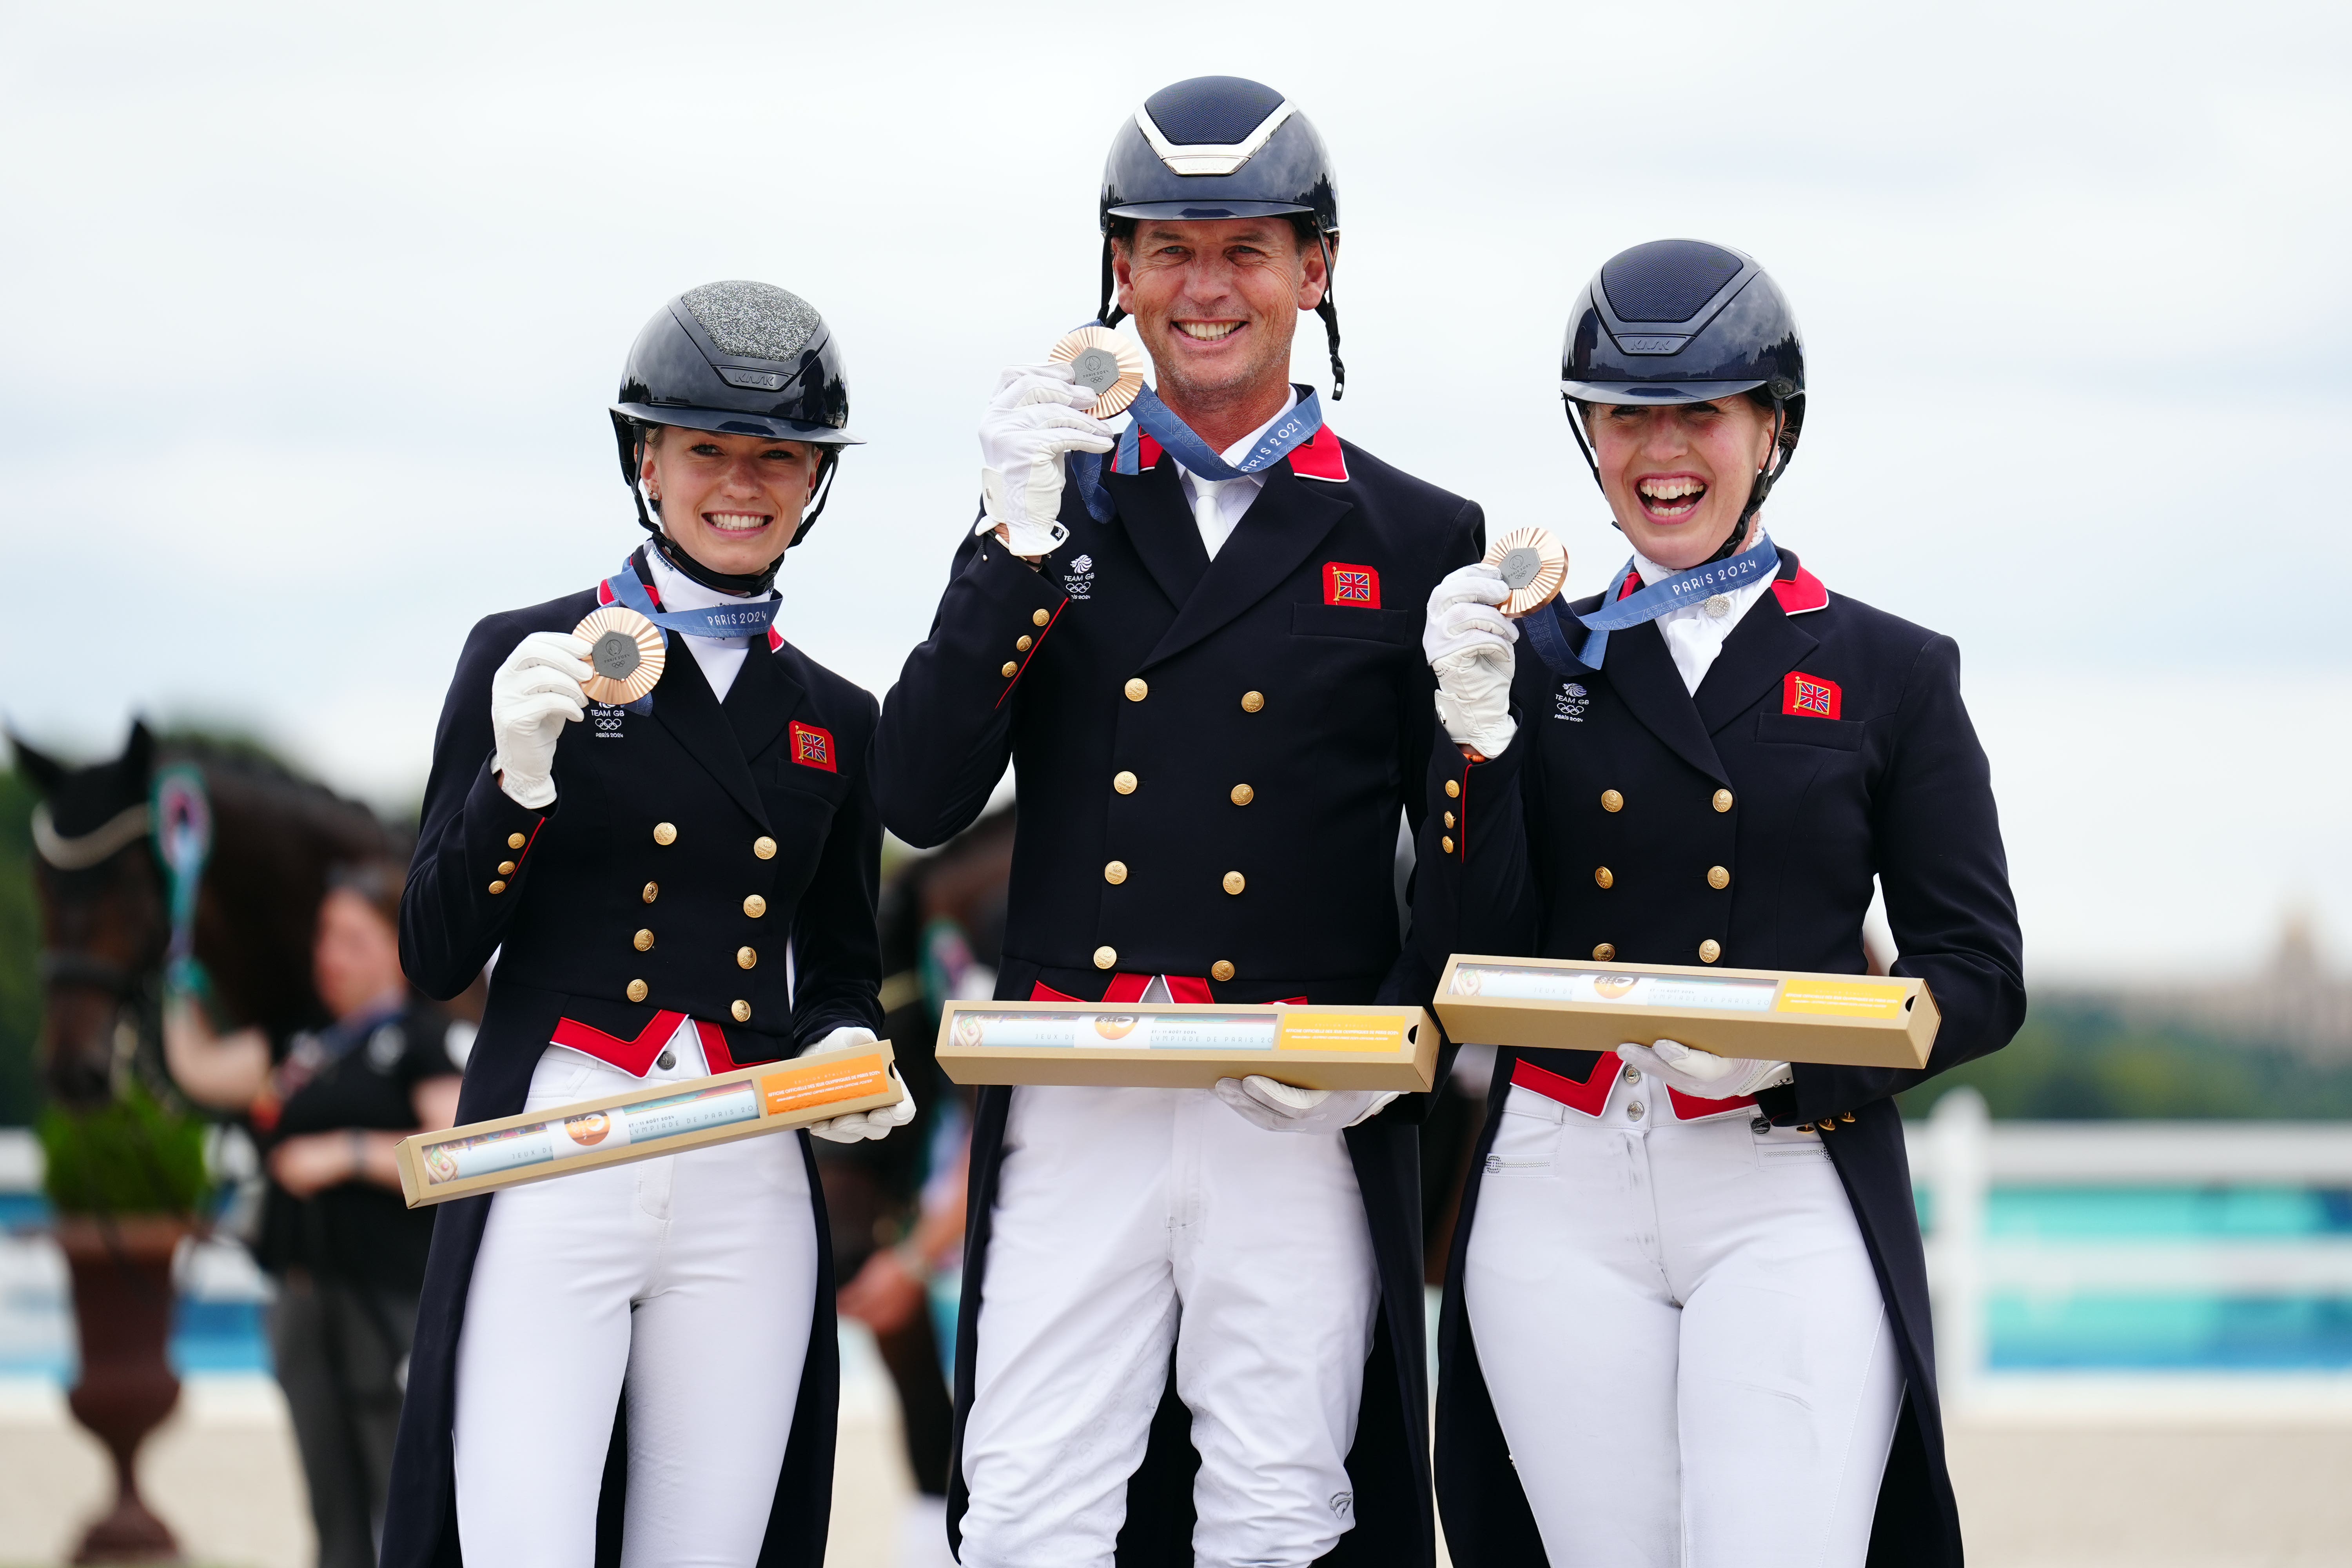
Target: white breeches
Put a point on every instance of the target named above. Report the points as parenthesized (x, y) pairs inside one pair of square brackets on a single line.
[(1131, 1222), (687, 1282), (1683, 1337)]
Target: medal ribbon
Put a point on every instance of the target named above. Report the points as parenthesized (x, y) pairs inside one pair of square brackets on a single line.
[(753, 618), (1157, 420), (1546, 628)]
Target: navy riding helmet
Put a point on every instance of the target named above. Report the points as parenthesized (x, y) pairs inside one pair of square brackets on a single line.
[(1223, 147), (1681, 320), (739, 359)]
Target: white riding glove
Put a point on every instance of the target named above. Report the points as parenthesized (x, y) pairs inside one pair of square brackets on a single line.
[(1704, 1074), (1280, 1107), (860, 1125), (1036, 417), (534, 694), (1467, 642)]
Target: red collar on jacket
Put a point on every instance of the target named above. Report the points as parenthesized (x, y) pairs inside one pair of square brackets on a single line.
[(1320, 458)]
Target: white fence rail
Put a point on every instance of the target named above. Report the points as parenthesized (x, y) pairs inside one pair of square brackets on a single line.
[(1959, 1154)]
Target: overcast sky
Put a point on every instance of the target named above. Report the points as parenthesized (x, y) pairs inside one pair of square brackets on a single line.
[(311, 317)]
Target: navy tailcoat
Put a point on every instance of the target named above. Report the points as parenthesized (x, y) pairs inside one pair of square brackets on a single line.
[(1826, 745), (560, 895), (1268, 714)]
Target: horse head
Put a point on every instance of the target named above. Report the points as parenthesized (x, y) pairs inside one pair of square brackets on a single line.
[(104, 923)]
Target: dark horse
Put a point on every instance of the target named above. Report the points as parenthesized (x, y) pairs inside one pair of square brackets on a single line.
[(105, 917)]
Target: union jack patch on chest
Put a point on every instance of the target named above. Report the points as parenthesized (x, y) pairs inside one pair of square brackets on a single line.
[(812, 746), (1356, 585), (1810, 696)]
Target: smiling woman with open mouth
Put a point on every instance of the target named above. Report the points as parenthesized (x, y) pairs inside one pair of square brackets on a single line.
[(1686, 1317)]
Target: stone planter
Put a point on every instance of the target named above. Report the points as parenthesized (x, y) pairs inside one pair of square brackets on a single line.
[(123, 1308)]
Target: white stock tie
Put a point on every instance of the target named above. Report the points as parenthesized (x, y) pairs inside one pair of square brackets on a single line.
[(1206, 516)]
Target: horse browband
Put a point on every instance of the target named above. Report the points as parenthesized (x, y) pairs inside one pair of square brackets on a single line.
[(84, 850)]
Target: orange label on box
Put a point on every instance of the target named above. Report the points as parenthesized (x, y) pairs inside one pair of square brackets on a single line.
[(1340, 1032), (821, 1083), (1852, 999)]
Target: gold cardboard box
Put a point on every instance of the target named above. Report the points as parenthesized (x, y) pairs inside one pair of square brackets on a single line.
[(661, 1119), (1844, 1020), (1187, 1045)]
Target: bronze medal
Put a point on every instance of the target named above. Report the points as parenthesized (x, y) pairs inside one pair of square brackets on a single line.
[(1103, 362), (627, 652), (1534, 567)]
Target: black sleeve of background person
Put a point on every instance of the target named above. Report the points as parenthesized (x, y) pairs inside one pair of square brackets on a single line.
[(449, 922), (836, 945), (1945, 879), (946, 733)]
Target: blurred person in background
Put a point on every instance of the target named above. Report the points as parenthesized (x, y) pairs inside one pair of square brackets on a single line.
[(338, 1241), (640, 1359), (1687, 1315)]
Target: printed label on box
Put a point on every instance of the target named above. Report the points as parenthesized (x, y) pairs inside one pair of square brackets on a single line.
[(1342, 1032), (822, 1083), (1852, 999), (1503, 982), (1115, 1031)]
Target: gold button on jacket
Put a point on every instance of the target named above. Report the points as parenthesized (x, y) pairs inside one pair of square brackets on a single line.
[(1718, 877), (742, 1011), (1612, 801), (642, 941), (1602, 877), (755, 905), (1253, 702), (1136, 689), (516, 841), (653, 892), (665, 833), (1242, 794), (1023, 642), (497, 887), (1106, 958), (1723, 800), (1709, 951), (1453, 788), (506, 867), (1115, 872), (1040, 618), (1221, 970), (745, 958), (1449, 819), (1236, 881), (1604, 951), (765, 847), (636, 990), (1010, 670), (1446, 844), (1123, 781)]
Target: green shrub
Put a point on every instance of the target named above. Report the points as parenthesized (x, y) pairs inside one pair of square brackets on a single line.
[(131, 1157)]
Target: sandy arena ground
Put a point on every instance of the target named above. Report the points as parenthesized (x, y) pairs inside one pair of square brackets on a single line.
[(2229, 1475)]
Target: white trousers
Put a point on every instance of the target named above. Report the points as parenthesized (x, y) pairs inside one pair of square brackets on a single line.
[(687, 1281), (1129, 1222), (1683, 1337)]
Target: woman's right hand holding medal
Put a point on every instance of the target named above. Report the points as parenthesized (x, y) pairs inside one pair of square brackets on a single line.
[(534, 694), (1467, 640)]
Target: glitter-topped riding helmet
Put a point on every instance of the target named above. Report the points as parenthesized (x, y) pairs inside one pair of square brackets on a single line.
[(1681, 320), (741, 359), (1221, 147)]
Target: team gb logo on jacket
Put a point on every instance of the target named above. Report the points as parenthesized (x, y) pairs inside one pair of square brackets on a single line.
[(1078, 582), (1570, 701)]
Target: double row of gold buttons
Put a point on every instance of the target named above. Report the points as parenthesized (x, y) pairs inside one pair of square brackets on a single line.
[(1718, 876), (666, 835), (1126, 783)]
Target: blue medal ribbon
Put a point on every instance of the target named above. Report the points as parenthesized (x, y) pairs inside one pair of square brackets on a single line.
[(1546, 629), (750, 619), (1157, 420)]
